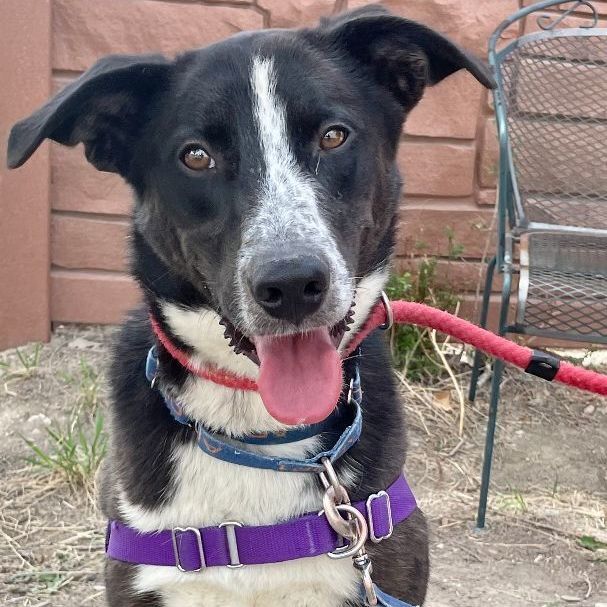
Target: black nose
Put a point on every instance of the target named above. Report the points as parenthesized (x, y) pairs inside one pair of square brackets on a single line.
[(290, 288)]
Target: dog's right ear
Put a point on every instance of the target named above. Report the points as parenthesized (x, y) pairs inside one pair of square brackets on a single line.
[(102, 109)]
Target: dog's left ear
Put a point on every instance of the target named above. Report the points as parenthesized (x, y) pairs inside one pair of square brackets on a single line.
[(103, 109), (404, 56)]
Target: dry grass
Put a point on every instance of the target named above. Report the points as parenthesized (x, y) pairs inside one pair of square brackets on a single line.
[(52, 540), (544, 498)]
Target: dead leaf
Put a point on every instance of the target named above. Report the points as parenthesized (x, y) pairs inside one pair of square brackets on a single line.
[(443, 400)]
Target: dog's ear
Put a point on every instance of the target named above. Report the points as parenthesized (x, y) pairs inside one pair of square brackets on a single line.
[(102, 109), (404, 56)]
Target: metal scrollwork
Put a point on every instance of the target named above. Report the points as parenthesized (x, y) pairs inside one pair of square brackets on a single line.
[(549, 22)]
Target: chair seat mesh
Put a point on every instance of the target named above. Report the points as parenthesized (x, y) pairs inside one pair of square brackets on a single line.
[(567, 291)]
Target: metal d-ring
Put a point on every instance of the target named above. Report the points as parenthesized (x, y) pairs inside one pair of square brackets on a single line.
[(389, 312), (359, 538)]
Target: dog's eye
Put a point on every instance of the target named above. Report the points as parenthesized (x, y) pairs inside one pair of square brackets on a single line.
[(196, 158), (333, 138)]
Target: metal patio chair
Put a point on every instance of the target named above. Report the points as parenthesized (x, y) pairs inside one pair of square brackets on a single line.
[(551, 109)]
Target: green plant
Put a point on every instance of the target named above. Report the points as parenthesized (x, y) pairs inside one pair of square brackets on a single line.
[(47, 582), (87, 379), (591, 543), (89, 385), (29, 361), (412, 349), (74, 450), (512, 501), (456, 250)]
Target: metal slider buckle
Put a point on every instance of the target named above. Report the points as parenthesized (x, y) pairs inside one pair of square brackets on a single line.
[(373, 537), (230, 527), (198, 537)]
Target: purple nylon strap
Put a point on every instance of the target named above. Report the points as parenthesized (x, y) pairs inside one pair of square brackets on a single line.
[(309, 535)]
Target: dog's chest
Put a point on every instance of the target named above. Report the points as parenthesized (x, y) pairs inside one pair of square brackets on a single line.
[(208, 492)]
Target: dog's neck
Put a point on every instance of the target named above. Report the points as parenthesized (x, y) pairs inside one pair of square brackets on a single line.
[(232, 411)]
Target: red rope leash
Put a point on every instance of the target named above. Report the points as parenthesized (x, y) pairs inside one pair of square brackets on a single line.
[(498, 347), (406, 312)]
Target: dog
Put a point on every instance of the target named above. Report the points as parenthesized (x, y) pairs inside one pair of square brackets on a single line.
[(265, 206)]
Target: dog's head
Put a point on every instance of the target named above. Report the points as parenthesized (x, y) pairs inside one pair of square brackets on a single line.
[(265, 181)]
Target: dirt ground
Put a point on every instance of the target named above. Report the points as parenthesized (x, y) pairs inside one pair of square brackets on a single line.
[(547, 515)]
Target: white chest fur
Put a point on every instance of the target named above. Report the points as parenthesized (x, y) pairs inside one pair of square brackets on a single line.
[(207, 492)]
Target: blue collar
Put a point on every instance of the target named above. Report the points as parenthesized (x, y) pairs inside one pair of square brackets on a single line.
[(345, 423)]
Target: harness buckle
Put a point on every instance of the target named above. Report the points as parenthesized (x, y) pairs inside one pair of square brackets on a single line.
[(174, 539), (230, 527), (381, 495)]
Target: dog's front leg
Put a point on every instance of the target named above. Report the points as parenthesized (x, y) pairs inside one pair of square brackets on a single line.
[(119, 587)]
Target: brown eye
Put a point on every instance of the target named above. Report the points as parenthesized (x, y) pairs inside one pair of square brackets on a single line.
[(333, 138), (196, 158)]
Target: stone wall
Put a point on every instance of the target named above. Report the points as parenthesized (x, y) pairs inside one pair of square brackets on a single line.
[(448, 156)]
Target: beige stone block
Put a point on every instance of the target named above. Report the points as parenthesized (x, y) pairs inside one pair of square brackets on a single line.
[(85, 30), (437, 169), (489, 167), (467, 22), (89, 243), (487, 197), (449, 109), (297, 13), (437, 229), (78, 186)]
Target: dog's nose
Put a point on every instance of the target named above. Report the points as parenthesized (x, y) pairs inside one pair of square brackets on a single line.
[(290, 288)]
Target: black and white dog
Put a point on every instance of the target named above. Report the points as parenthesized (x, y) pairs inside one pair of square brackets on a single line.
[(266, 196)]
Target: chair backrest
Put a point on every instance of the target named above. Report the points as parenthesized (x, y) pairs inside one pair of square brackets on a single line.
[(552, 99)]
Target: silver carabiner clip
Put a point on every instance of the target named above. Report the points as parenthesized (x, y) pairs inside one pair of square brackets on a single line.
[(362, 562)]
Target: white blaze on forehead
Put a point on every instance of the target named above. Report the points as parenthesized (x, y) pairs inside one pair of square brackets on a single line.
[(287, 212), (288, 201), (271, 122)]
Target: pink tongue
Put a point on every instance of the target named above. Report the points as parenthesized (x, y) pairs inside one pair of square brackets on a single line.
[(300, 377)]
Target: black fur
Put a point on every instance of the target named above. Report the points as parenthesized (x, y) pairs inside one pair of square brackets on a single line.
[(366, 69)]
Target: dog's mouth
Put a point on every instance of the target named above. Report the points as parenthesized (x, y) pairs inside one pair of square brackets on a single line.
[(300, 374)]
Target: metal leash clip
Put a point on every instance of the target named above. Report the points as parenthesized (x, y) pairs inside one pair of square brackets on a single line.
[(350, 524)]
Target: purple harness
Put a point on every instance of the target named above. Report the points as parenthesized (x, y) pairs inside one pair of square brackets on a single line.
[(232, 544)]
